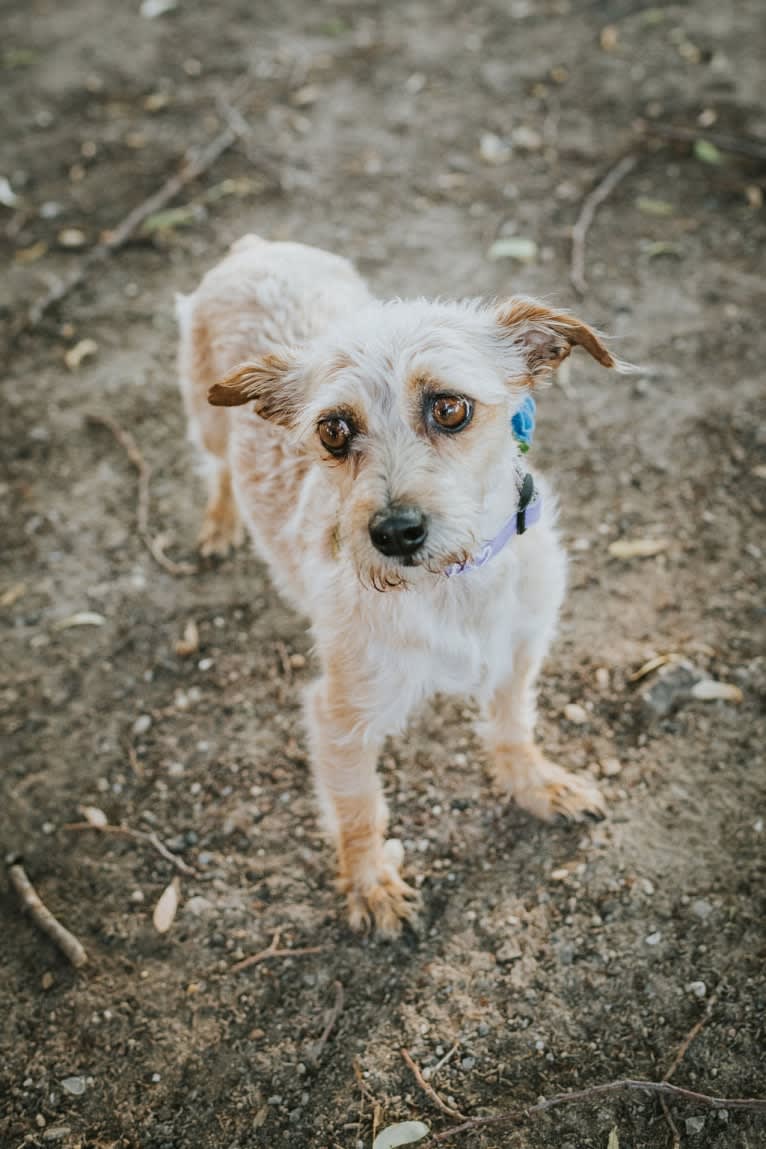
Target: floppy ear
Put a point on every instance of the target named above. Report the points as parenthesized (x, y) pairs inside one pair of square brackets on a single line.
[(545, 337), (267, 383)]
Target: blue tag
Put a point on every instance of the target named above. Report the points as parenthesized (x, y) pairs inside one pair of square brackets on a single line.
[(523, 423)]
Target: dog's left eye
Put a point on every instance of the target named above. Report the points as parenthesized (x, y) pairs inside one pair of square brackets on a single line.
[(451, 412), (335, 434)]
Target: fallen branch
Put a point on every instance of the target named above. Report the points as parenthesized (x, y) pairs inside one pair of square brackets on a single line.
[(32, 903), (273, 951), (429, 1090), (592, 201), (196, 162), (153, 543), (741, 145), (316, 1050), (659, 1088), (149, 837)]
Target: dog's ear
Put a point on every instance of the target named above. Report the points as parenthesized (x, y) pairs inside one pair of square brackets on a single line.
[(268, 383), (546, 337)]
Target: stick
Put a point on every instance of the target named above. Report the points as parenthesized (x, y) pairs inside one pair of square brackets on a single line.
[(195, 163), (693, 1032), (587, 213), (273, 951), (741, 145), (683, 1047), (153, 543), (149, 837), (429, 1090), (32, 903), (660, 1088), (316, 1050)]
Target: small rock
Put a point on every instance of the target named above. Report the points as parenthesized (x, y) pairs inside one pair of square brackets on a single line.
[(653, 939), (468, 1062), (698, 988), (694, 1125), (197, 906), (527, 139), (74, 1085), (611, 767), (47, 980), (508, 952), (560, 875), (493, 150), (142, 724), (701, 908), (670, 689), (575, 713), (57, 1133), (602, 678), (72, 237)]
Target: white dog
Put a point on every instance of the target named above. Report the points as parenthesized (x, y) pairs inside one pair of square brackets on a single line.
[(373, 462)]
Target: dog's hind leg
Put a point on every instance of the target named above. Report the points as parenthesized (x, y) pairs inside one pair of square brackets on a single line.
[(520, 768), (209, 431)]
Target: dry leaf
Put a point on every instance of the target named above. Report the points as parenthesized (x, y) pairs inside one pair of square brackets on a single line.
[(648, 206), (189, 644), (653, 664), (82, 618), (14, 592), (8, 197), (637, 548), (94, 817), (165, 910), (707, 152), (404, 1133), (710, 691), (82, 350), (31, 254), (614, 1139)]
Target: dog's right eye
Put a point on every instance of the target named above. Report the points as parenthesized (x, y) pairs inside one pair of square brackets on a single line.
[(335, 435)]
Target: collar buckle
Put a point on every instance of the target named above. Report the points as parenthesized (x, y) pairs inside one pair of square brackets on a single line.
[(525, 498)]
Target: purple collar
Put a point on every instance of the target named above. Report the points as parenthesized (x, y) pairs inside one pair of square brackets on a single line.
[(526, 515)]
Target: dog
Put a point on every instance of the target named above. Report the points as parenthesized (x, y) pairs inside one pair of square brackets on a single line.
[(366, 447)]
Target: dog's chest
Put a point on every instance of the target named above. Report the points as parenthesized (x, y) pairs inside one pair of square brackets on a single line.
[(454, 644)]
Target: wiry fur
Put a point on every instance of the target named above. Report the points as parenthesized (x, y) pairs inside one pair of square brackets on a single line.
[(288, 335)]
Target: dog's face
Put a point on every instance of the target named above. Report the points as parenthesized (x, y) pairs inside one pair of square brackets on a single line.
[(408, 407)]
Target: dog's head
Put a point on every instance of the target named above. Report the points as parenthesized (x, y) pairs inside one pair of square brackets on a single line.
[(407, 405)]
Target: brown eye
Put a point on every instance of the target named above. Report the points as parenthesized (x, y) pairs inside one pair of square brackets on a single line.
[(451, 412), (335, 434)]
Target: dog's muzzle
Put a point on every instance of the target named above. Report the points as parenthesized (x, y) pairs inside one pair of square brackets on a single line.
[(398, 531)]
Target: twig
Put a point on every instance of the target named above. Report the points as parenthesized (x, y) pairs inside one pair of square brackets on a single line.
[(659, 1088), (741, 145), (149, 837), (429, 1090), (33, 904), (587, 213), (693, 1032), (284, 658), (196, 162), (317, 1048), (273, 951), (153, 542), (681, 1053)]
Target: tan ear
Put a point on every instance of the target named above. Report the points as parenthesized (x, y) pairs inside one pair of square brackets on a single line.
[(265, 383), (546, 337)]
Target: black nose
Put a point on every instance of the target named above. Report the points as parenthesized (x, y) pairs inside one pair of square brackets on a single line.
[(398, 531)]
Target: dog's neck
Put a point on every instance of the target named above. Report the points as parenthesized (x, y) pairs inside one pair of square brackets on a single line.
[(526, 514)]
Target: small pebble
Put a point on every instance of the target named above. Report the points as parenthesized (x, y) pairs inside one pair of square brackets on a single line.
[(142, 724), (468, 1062), (698, 988), (47, 980), (611, 767), (74, 1085), (694, 1125), (701, 908), (653, 939), (575, 713)]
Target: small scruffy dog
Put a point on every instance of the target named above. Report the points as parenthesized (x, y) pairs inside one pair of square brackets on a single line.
[(373, 462)]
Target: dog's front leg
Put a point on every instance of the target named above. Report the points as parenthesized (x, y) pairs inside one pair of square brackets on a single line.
[(520, 768), (344, 760)]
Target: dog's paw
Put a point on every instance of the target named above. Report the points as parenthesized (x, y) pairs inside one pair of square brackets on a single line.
[(219, 534), (386, 901), (548, 791)]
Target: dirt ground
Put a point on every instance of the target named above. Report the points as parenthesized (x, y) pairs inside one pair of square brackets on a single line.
[(410, 137)]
